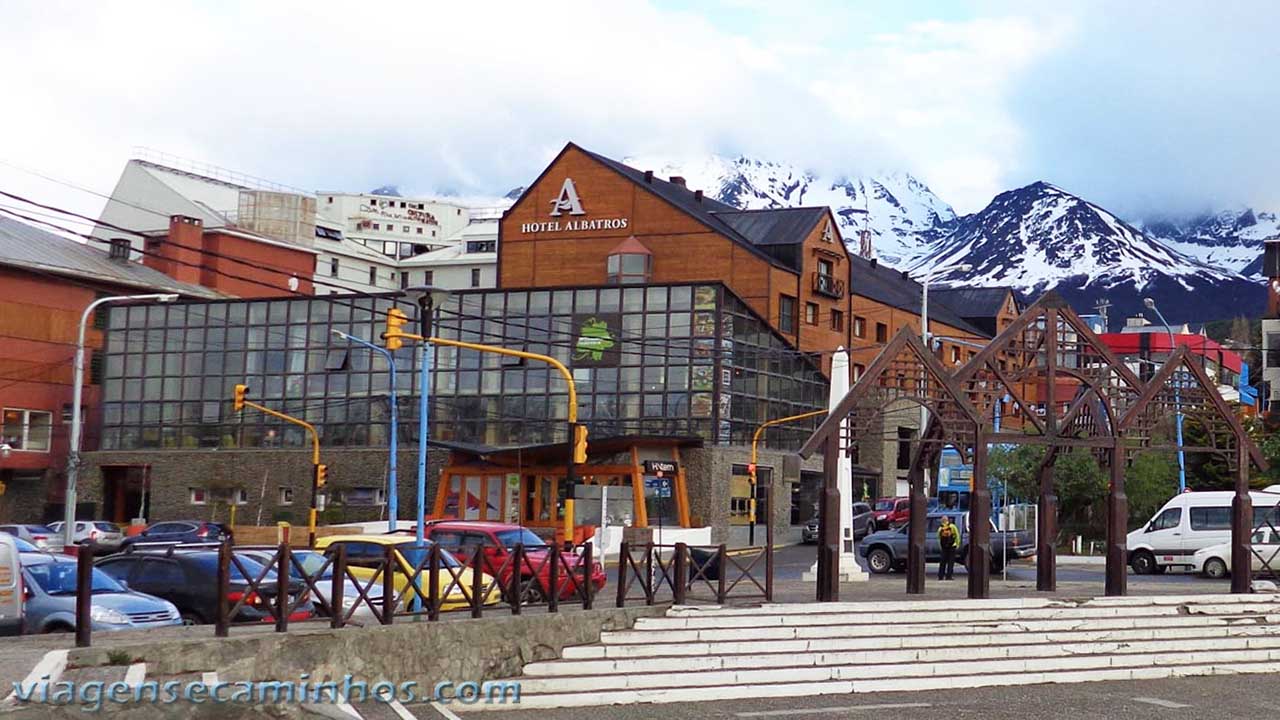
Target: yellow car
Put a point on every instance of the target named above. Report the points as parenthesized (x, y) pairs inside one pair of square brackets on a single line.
[(365, 554)]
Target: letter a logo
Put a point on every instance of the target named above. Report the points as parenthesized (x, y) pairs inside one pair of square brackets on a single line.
[(567, 200)]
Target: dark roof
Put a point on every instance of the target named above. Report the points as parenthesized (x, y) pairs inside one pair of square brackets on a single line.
[(30, 248), (981, 302), (775, 226), (892, 287)]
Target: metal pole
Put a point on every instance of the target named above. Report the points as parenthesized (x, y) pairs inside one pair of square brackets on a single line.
[(84, 595), (73, 454), (424, 418), (1177, 399), (393, 502), (924, 338)]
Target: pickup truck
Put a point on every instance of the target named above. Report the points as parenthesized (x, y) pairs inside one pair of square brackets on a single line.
[(886, 550)]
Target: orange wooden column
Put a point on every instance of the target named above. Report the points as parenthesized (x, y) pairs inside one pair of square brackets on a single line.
[(637, 490), (682, 489)]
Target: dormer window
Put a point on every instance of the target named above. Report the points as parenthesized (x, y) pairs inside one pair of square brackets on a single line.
[(630, 263)]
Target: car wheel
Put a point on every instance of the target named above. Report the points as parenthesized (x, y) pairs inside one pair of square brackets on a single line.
[(1215, 568), (1143, 563), (58, 628), (879, 561), (532, 592), (191, 619)]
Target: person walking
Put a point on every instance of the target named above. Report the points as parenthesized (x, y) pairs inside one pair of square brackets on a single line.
[(949, 541)]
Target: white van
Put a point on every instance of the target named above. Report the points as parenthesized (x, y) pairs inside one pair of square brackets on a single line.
[(11, 590), (1190, 522)]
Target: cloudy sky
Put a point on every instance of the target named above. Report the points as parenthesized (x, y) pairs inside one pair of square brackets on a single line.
[(1143, 107)]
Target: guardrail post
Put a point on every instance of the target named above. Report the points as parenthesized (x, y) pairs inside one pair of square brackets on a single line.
[(477, 582), (588, 564), (680, 571), (433, 583), (624, 557), (517, 556), (282, 588), (388, 584), (648, 573), (222, 623), (84, 594), (553, 579), (338, 593), (721, 571)]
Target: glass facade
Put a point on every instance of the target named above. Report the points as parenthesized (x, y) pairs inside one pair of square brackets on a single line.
[(672, 360)]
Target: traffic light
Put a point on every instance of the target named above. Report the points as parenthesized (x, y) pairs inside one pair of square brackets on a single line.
[(238, 397), (396, 319), (579, 444), (322, 471)]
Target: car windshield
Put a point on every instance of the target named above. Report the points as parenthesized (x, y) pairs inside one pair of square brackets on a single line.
[(417, 556), (38, 530), (884, 505), (59, 578), (106, 527), (520, 536)]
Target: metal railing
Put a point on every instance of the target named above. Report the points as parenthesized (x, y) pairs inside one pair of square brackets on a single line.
[(828, 285)]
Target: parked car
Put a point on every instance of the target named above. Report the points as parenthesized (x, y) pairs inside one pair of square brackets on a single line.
[(1190, 522), (366, 554), (51, 600), (1215, 561), (179, 531), (498, 540), (891, 512), (39, 535), (886, 550), (106, 535), (311, 562), (863, 522), (12, 590), (189, 580)]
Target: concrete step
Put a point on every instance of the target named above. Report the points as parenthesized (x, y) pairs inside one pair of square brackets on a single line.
[(954, 615), (897, 684), (749, 660), (878, 634), (893, 607), (1169, 655)]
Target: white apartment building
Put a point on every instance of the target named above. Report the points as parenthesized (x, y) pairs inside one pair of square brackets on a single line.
[(470, 260), (396, 227)]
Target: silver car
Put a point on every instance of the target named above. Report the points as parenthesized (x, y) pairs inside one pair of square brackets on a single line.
[(38, 535), (51, 599), (311, 562), (107, 535)]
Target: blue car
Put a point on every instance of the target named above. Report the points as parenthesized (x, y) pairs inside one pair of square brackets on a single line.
[(184, 532), (51, 599)]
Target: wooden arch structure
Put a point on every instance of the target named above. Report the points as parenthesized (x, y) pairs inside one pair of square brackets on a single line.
[(903, 377), (1046, 379)]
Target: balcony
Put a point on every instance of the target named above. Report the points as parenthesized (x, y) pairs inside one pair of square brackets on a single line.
[(828, 285)]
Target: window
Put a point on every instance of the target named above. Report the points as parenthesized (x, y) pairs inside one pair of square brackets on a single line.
[(904, 448), (419, 230), (239, 496), (477, 246), (628, 268), (787, 314), (284, 496), (330, 199), (475, 277), (333, 267), (1211, 518), (404, 280), (428, 277), (858, 371), (811, 313), (27, 430), (882, 333), (361, 496), (1167, 520), (376, 227), (198, 495), (955, 356), (859, 326), (406, 228), (825, 268), (837, 320), (373, 276)]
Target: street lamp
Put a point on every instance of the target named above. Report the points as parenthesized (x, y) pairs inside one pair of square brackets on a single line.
[(1177, 395), (392, 485), (428, 297), (73, 456), (924, 331)]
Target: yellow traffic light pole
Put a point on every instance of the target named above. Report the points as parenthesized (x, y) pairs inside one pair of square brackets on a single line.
[(320, 471), (751, 469), (577, 433)]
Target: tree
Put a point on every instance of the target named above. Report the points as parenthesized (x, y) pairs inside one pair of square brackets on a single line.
[(1078, 481), (1150, 480)]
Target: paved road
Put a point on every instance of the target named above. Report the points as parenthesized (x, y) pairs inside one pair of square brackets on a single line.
[(1229, 696)]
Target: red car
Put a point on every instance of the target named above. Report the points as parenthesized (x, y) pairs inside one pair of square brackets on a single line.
[(461, 537), (891, 512)]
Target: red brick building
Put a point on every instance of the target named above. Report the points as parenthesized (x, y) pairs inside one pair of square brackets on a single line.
[(229, 261)]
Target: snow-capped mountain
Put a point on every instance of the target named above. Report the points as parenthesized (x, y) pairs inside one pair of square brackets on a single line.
[(1040, 237), (1230, 239), (906, 218)]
